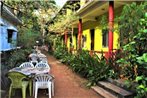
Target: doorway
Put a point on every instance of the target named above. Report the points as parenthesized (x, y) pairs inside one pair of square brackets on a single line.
[(92, 39)]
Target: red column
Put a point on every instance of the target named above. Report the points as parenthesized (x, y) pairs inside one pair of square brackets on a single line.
[(79, 33), (111, 20), (65, 38)]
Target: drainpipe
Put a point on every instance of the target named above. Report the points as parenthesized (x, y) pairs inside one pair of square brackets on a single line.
[(65, 37), (111, 24), (79, 33)]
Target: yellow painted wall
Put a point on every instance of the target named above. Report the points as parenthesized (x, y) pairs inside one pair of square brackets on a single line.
[(98, 32), (68, 43), (116, 43), (98, 39), (87, 43), (74, 42), (98, 36)]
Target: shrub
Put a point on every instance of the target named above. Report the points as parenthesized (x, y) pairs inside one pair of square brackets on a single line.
[(134, 63), (92, 68), (60, 52), (17, 57)]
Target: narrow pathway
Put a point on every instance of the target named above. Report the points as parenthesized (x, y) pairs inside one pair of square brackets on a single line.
[(67, 83)]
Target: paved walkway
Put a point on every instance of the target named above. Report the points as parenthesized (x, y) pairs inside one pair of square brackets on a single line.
[(67, 83)]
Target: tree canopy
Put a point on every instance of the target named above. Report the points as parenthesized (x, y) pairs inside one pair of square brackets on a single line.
[(34, 16), (33, 13)]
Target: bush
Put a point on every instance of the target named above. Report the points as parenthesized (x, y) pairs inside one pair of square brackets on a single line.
[(17, 57), (60, 52), (134, 62), (10, 60), (92, 68)]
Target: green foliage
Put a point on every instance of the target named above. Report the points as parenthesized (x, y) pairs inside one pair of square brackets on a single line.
[(63, 20), (62, 23), (27, 7), (129, 21), (60, 52), (49, 40), (92, 68), (27, 37), (136, 52), (143, 60), (134, 63), (117, 55), (104, 22), (139, 84), (34, 14), (17, 57)]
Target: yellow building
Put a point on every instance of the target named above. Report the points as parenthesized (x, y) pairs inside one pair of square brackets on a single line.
[(94, 30), (98, 31)]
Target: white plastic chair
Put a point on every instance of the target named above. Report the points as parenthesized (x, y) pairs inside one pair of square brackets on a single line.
[(26, 65), (34, 62), (33, 58), (42, 65), (43, 81), (43, 60)]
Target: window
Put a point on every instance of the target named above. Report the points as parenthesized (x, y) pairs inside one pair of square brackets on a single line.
[(105, 37), (10, 33)]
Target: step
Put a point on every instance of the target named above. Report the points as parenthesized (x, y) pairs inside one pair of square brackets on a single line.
[(118, 82), (103, 92), (115, 89), (121, 83)]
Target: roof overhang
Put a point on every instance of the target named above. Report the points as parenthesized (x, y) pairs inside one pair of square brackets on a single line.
[(7, 14), (94, 8)]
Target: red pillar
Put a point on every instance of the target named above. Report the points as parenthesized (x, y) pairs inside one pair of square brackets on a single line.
[(65, 38), (79, 33), (111, 24)]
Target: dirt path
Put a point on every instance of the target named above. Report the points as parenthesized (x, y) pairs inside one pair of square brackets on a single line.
[(67, 83)]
